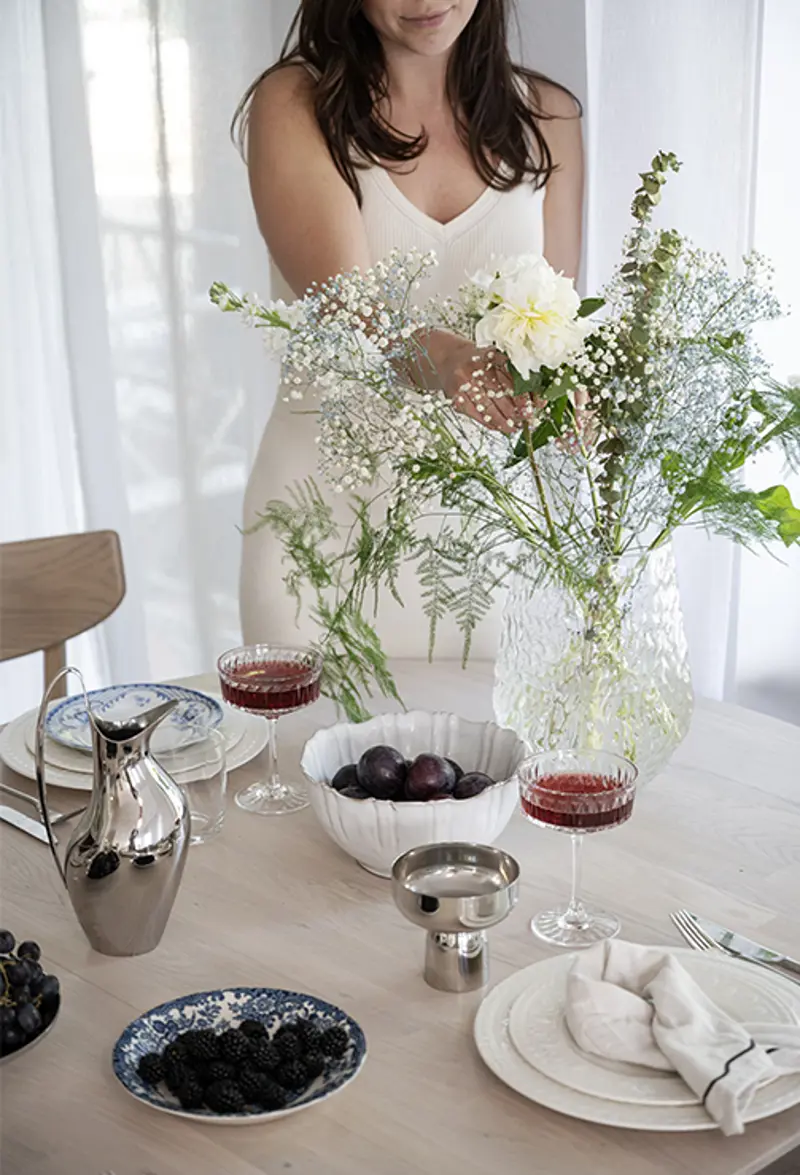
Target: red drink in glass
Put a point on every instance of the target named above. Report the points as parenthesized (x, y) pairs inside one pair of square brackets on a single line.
[(270, 687), (576, 792), (577, 801), (270, 680)]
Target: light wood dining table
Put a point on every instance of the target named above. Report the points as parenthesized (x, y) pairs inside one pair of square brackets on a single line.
[(274, 902)]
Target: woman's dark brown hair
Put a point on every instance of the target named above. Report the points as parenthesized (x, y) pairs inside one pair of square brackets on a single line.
[(496, 103)]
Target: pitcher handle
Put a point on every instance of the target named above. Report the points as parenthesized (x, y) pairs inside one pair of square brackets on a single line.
[(40, 780)]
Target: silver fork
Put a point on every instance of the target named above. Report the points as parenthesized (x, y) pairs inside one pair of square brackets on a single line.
[(700, 941), (696, 938)]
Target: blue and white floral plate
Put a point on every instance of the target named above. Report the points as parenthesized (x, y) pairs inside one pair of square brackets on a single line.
[(195, 715), (227, 1008)]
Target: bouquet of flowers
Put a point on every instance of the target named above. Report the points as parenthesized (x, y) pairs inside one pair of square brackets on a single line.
[(637, 411)]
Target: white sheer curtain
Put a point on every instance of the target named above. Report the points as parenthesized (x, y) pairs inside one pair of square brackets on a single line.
[(711, 81), (128, 401)]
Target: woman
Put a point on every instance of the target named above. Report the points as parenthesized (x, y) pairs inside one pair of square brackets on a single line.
[(398, 123)]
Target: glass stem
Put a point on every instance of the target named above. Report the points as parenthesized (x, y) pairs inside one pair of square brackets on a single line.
[(575, 914), (274, 785)]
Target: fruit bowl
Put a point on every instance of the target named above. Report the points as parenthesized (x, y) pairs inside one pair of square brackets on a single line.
[(376, 832)]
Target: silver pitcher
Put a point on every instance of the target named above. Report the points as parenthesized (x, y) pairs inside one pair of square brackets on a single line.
[(125, 858)]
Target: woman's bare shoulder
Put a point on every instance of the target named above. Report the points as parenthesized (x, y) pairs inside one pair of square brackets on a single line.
[(289, 88)]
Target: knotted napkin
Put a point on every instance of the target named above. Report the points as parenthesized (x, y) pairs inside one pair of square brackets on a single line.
[(638, 1004)]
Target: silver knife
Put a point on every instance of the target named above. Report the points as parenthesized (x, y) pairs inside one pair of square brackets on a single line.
[(745, 948), (23, 822)]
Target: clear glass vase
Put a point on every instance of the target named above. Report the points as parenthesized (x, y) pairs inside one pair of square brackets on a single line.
[(605, 668)]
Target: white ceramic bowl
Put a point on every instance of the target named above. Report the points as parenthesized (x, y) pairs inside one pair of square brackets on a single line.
[(376, 832)]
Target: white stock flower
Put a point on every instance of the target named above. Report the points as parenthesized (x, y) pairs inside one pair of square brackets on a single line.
[(532, 315)]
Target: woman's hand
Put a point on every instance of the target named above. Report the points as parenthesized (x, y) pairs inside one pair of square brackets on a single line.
[(476, 380)]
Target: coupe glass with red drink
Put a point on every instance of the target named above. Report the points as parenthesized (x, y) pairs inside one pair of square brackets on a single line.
[(576, 792), (270, 680)]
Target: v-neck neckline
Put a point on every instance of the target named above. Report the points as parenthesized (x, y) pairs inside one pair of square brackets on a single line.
[(454, 227)]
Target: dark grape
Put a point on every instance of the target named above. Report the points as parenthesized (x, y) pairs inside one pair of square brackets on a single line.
[(7, 1015), (458, 770), (382, 772), (50, 987), (29, 950), (7, 942), (345, 777), (471, 785), (11, 1039), (17, 974), (21, 995), (29, 1019), (429, 776)]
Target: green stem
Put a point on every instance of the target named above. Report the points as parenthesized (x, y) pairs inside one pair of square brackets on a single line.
[(537, 478)]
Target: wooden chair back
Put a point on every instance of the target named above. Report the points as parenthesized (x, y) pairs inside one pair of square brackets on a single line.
[(55, 588)]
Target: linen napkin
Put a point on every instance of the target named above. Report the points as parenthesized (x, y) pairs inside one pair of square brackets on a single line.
[(638, 1004)]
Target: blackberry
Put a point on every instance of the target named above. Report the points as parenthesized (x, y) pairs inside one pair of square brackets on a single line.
[(233, 1046), (289, 1046), (202, 1045), (272, 1096), (285, 1029), (224, 1097), (264, 1055), (251, 1082), (176, 1075), (335, 1042), (219, 1071), (293, 1075), (151, 1069), (190, 1095), (310, 1034), (199, 1069), (29, 950), (175, 1051), (315, 1064), (253, 1029)]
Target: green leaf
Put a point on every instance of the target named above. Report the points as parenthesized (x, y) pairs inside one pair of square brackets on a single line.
[(776, 504), (640, 336), (524, 386), (590, 305)]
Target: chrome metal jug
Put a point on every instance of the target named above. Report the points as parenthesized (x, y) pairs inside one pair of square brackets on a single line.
[(125, 858)]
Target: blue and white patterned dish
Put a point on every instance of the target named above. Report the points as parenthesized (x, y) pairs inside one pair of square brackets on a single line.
[(226, 1008), (194, 716)]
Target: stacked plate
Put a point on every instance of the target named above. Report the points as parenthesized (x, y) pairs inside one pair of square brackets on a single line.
[(68, 743), (521, 1034)]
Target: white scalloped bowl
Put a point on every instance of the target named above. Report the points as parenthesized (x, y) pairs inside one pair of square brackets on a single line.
[(376, 832)]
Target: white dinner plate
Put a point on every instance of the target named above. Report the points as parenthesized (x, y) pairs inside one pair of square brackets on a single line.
[(538, 1029), (15, 753), (234, 725), (194, 715), (497, 1050)]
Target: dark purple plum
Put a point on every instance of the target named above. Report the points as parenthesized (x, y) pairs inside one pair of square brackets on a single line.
[(472, 784), (354, 793), (345, 777), (429, 776), (458, 770), (381, 771)]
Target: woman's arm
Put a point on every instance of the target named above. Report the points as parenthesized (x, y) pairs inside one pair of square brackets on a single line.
[(311, 221), (307, 214), (563, 201)]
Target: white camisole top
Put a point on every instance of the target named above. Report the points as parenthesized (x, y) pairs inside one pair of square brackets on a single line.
[(498, 224)]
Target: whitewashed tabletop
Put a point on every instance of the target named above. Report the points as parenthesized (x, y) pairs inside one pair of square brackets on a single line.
[(273, 902)]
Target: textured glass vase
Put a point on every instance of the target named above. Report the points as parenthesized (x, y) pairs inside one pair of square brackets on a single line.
[(607, 668)]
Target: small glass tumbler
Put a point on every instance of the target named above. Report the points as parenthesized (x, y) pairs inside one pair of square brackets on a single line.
[(200, 770), (576, 792)]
